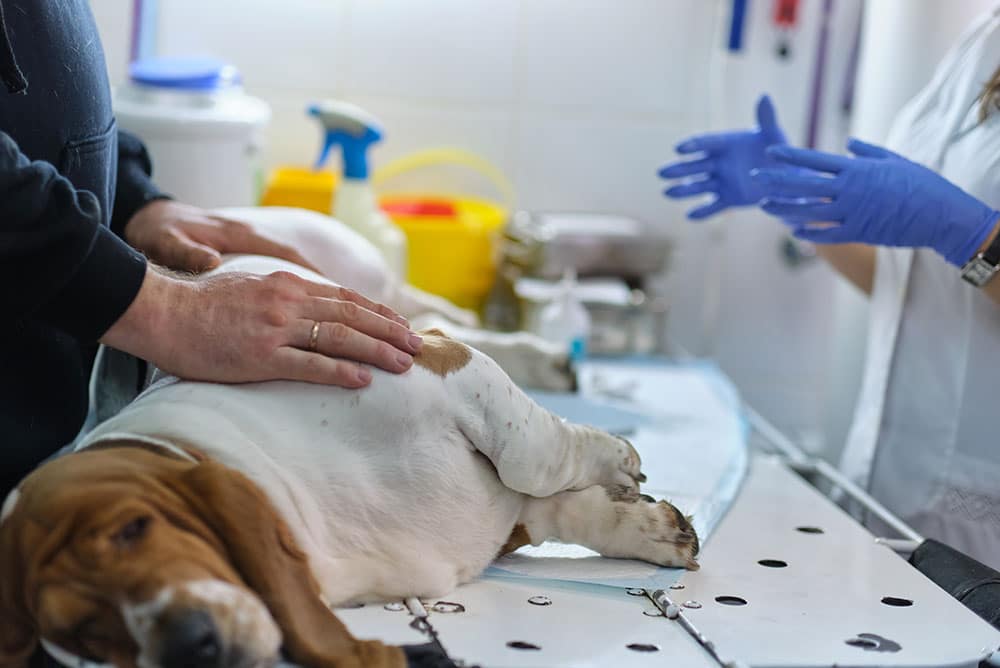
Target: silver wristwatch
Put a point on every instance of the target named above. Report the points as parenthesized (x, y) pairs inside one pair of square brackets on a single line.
[(980, 269)]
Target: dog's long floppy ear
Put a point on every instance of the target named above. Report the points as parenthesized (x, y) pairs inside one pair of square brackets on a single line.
[(264, 552), (18, 637)]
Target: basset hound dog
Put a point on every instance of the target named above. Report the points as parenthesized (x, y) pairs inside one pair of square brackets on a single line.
[(217, 526)]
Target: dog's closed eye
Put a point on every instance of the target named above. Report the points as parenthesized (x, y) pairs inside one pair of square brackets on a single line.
[(133, 531)]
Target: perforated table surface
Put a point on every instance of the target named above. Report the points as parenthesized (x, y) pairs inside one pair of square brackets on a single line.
[(787, 580)]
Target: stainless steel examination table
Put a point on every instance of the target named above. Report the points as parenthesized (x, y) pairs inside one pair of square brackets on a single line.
[(787, 579)]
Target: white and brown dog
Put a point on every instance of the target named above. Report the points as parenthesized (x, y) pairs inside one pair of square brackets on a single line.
[(215, 525)]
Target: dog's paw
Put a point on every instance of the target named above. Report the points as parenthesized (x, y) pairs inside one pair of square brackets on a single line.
[(560, 376), (612, 462), (653, 531), (535, 363), (674, 541)]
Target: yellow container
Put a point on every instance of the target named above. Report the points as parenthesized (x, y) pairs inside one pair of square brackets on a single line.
[(453, 239), (300, 187)]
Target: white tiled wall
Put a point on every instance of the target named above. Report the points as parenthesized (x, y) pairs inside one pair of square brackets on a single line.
[(579, 102)]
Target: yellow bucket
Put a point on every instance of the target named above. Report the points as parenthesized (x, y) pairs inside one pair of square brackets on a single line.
[(452, 239)]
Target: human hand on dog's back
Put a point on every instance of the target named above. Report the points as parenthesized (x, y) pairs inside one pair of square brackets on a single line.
[(188, 238), (238, 327)]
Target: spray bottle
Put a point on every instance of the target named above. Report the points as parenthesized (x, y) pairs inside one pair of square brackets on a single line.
[(565, 321), (354, 130)]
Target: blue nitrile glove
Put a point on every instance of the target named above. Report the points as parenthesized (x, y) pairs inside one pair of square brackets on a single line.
[(725, 165), (878, 198)]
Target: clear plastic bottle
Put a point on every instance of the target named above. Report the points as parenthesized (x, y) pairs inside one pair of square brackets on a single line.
[(565, 321)]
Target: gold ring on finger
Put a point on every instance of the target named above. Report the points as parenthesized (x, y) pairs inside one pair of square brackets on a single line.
[(314, 336)]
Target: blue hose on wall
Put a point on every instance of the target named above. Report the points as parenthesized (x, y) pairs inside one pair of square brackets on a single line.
[(737, 24)]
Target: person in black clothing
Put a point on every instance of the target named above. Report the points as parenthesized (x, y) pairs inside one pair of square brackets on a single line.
[(73, 190)]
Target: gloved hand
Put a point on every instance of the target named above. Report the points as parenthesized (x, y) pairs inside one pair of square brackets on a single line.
[(877, 197), (724, 168)]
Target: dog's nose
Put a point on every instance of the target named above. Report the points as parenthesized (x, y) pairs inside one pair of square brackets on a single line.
[(190, 640)]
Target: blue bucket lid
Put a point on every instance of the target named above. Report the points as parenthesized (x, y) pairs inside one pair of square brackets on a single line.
[(184, 73)]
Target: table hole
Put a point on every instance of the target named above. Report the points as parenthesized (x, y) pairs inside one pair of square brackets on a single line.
[(730, 600), (864, 643), (897, 602), (773, 563), (520, 644), (809, 529), (642, 647)]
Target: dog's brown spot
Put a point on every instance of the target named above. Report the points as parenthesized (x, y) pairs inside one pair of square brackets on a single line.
[(441, 355), (622, 493), (518, 538)]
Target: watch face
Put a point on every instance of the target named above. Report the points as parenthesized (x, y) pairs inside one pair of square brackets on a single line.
[(978, 271)]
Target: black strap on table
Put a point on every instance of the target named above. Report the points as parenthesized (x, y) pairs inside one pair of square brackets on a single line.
[(975, 585)]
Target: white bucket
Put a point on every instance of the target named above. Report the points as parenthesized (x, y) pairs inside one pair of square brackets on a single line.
[(204, 136)]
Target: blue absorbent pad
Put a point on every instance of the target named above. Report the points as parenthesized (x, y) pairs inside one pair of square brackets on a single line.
[(685, 420)]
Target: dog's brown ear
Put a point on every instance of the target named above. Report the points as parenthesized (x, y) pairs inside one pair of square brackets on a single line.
[(18, 637), (264, 552)]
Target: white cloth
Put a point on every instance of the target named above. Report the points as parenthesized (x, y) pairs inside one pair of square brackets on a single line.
[(926, 433)]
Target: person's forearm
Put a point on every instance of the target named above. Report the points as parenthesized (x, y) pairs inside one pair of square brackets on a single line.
[(135, 331), (855, 262)]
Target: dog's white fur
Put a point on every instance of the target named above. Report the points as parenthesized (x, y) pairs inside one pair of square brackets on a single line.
[(346, 258)]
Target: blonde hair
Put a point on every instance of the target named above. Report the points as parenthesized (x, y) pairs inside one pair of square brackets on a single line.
[(989, 99)]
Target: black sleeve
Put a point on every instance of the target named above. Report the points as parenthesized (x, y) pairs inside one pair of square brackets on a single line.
[(57, 262), (135, 188)]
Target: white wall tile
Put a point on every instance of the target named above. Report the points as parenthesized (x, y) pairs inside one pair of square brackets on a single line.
[(411, 126), (288, 44), (439, 50), (293, 137), (638, 55), (597, 165)]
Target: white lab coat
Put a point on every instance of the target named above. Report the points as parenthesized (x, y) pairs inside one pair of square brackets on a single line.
[(926, 433)]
